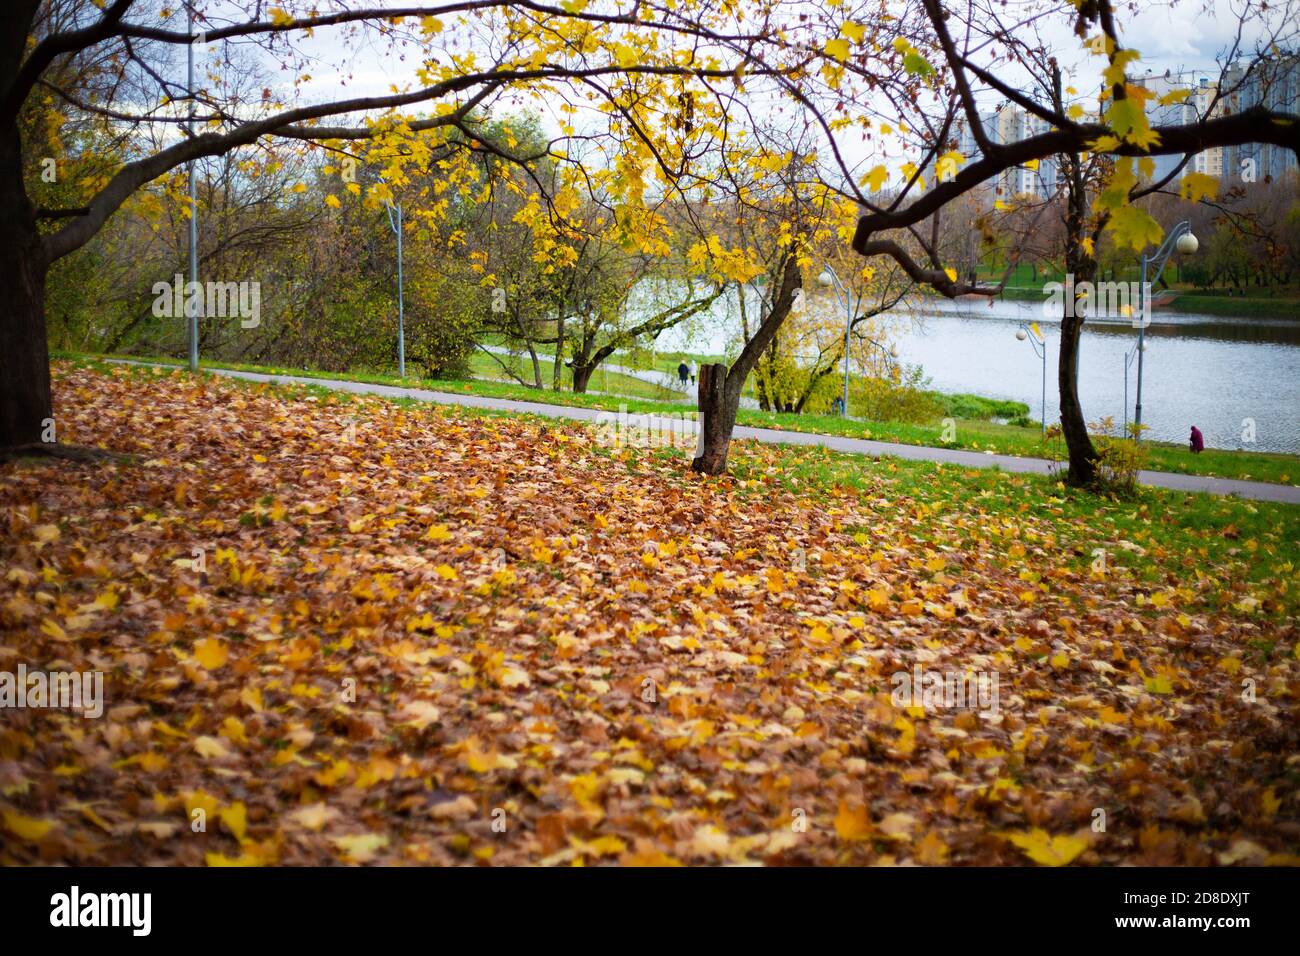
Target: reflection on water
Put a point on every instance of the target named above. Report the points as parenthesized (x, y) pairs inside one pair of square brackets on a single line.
[(1216, 373), (1265, 331), (1210, 371)]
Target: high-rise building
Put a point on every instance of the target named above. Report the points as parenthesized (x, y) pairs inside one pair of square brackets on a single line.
[(1009, 123), (1196, 106), (1209, 161), (1275, 84)]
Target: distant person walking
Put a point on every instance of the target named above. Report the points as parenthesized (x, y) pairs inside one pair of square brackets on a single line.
[(683, 373), (1198, 441), (695, 370)]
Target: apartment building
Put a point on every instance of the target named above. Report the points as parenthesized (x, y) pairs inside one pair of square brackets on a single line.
[(1009, 123), (1275, 84), (1198, 105)]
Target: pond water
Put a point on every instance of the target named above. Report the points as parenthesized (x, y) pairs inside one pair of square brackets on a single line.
[(1218, 373)]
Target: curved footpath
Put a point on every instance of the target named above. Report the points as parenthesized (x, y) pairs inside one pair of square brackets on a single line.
[(1255, 490)]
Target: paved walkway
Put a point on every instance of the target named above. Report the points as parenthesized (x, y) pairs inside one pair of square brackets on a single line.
[(666, 380), (1256, 490), (650, 376)]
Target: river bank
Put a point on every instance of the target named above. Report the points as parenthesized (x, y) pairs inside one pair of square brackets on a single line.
[(1187, 302)]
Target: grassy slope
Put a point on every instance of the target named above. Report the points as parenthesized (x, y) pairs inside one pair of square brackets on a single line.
[(1227, 306), (1172, 537), (970, 433), (1231, 306), (487, 368), (1159, 539), (1024, 285)]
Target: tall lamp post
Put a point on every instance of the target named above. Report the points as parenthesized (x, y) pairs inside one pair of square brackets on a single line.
[(192, 300), (1034, 335), (1180, 237), (829, 279), (1129, 357), (395, 222)]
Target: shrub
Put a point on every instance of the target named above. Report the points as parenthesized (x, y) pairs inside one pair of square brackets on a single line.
[(1119, 459), (979, 407), (439, 325), (899, 400)]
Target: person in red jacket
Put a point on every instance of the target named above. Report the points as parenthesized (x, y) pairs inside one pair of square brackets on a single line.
[(1198, 441)]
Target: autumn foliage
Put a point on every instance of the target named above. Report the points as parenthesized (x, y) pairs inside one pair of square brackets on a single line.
[(358, 631)]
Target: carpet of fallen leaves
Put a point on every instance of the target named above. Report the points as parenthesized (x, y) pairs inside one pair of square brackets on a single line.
[(357, 631)]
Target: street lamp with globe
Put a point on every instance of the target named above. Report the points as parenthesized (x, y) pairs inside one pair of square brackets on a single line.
[(1034, 335), (1180, 238)]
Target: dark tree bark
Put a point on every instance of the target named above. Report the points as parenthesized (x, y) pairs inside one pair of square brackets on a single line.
[(720, 390), (760, 387), (717, 418), (1078, 443), (1083, 265), (582, 375), (557, 371), (25, 401), (1082, 454), (586, 357), (537, 365)]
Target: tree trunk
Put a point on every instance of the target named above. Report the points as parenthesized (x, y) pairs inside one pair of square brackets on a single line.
[(532, 350), (537, 366), (25, 404), (582, 375), (720, 387), (557, 371), (717, 418), (1078, 443)]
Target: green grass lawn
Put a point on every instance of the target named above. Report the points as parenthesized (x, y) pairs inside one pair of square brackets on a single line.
[(980, 435), (1212, 551), (488, 387), (489, 367), (970, 433), (1190, 302), (1236, 307)]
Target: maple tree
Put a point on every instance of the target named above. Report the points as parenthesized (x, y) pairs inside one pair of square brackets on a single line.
[(632, 65)]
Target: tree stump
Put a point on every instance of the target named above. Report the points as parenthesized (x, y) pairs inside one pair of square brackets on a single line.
[(715, 424)]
